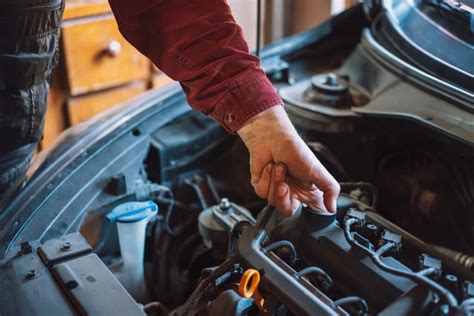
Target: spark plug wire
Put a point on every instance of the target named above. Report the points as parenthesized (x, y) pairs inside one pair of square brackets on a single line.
[(448, 297)]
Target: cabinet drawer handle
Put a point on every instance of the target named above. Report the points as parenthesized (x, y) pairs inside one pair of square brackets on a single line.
[(113, 49)]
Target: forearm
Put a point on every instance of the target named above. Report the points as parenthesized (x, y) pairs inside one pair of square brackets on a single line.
[(199, 44)]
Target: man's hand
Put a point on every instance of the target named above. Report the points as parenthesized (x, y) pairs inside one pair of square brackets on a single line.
[(283, 169)]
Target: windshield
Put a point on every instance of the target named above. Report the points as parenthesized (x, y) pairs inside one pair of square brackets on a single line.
[(436, 35), (453, 16)]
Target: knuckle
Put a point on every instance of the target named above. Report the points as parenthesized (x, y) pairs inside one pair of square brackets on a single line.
[(254, 181), (271, 201), (258, 190), (336, 187), (261, 194)]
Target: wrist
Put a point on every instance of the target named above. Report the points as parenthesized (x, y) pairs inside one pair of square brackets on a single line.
[(272, 123)]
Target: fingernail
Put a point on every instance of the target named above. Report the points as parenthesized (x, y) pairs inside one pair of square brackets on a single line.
[(269, 167), (279, 170), (282, 190)]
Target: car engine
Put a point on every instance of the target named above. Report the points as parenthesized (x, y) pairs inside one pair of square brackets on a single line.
[(151, 211)]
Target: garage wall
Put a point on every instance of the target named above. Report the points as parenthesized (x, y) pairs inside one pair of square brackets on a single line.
[(307, 13), (281, 18), (245, 13)]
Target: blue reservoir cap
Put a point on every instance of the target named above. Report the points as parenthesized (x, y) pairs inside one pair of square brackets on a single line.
[(131, 212)]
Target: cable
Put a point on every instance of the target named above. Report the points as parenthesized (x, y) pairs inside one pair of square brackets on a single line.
[(169, 211), (449, 260), (463, 259), (375, 256), (347, 231), (368, 187), (153, 307), (440, 290), (427, 272), (194, 183), (318, 271), (212, 188), (157, 192), (259, 27), (280, 244), (202, 288), (385, 248), (468, 305), (353, 299)]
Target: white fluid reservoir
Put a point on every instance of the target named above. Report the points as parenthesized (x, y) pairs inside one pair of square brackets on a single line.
[(131, 219)]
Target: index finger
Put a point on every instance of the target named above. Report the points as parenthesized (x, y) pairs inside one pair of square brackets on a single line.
[(321, 177)]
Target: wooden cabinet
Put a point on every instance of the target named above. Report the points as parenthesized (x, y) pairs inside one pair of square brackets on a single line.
[(98, 68), (81, 108), (97, 56)]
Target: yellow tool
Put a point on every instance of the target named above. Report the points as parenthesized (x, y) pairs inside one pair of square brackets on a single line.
[(247, 290)]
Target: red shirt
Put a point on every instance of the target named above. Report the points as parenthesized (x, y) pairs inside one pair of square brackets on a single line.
[(199, 44)]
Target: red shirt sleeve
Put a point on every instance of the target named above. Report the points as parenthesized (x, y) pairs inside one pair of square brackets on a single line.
[(199, 44)]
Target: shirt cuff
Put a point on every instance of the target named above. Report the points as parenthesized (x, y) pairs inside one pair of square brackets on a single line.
[(244, 100)]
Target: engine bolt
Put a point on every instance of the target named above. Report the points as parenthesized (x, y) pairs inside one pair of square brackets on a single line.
[(331, 80), (66, 246), (224, 205), (32, 274)]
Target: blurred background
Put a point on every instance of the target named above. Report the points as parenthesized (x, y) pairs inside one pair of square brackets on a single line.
[(98, 69)]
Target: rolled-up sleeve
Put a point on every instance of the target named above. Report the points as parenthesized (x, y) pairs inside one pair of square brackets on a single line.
[(199, 44)]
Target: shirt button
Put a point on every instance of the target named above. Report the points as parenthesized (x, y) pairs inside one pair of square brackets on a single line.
[(229, 118)]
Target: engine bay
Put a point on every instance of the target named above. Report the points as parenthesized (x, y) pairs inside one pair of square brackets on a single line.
[(223, 261)]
